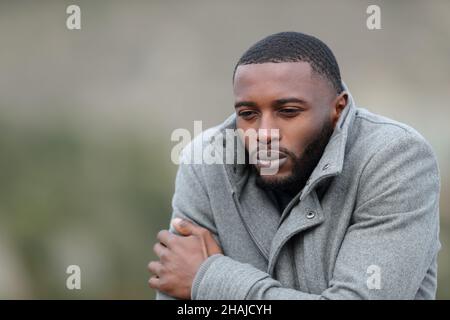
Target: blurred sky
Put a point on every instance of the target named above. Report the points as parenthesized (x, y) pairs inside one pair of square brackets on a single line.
[(148, 67)]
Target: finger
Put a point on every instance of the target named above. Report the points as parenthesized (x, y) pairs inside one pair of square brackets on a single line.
[(212, 245), (165, 237), (159, 249), (185, 227), (155, 267), (154, 283)]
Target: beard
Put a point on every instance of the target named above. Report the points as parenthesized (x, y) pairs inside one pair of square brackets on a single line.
[(302, 168)]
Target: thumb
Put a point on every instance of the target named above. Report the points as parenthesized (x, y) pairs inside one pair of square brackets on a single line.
[(183, 227)]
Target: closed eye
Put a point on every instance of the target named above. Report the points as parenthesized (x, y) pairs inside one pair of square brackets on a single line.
[(290, 112), (246, 114)]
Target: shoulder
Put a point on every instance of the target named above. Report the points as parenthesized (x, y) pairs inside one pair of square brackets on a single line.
[(375, 133), (389, 148), (384, 128), (194, 156), (397, 169), (193, 151)]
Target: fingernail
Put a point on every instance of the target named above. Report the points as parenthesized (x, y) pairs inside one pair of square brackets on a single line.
[(176, 221)]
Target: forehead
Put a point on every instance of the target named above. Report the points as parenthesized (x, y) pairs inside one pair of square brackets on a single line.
[(276, 79)]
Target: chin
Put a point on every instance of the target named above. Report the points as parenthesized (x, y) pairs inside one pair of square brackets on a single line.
[(280, 175)]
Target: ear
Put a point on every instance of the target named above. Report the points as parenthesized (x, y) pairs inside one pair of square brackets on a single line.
[(338, 105)]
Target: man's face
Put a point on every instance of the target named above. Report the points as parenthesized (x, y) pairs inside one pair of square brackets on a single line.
[(302, 105)]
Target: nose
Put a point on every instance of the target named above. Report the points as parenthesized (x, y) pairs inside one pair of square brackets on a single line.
[(268, 132)]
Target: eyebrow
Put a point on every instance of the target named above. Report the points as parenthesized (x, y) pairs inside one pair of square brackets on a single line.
[(280, 102), (245, 104), (276, 103)]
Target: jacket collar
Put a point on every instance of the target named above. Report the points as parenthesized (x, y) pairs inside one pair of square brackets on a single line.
[(332, 160)]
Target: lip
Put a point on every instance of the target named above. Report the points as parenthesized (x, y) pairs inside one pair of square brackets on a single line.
[(272, 159), (276, 163), (269, 155)]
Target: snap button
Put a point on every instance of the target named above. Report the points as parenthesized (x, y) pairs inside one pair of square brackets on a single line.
[(325, 167), (310, 214)]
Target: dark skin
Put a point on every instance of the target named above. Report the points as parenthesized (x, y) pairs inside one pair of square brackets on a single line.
[(180, 258), (287, 96)]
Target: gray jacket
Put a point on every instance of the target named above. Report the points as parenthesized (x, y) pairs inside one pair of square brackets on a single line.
[(366, 225)]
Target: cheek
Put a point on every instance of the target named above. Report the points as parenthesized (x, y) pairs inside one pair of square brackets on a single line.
[(297, 136), (247, 130), (247, 135)]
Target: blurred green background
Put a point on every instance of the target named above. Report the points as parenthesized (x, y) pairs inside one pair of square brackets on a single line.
[(86, 117)]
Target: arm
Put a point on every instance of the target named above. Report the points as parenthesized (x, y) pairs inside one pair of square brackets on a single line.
[(394, 226), (191, 202)]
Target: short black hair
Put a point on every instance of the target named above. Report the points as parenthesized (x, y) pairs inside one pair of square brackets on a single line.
[(295, 47)]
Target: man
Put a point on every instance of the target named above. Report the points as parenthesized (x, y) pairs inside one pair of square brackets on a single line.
[(351, 213)]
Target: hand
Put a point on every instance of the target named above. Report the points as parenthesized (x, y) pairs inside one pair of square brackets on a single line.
[(180, 258)]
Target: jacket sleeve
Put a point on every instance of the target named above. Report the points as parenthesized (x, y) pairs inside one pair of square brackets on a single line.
[(190, 201), (390, 245)]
